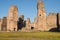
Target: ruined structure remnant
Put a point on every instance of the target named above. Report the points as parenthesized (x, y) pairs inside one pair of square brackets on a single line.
[(12, 19), (42, 22), (41, 16)]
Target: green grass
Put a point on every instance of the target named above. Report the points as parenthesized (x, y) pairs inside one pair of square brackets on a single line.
[(29, 36)]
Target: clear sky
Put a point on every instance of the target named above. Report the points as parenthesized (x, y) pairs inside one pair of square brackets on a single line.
[(28, 7)]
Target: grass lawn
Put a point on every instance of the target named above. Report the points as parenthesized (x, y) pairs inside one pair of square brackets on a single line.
[(29, 35)]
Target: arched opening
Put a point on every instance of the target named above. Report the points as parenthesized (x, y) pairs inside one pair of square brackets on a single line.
[(14, 29), (32, 28)]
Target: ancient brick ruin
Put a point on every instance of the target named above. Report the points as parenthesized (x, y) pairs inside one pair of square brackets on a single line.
[(41, 23), (12, 19)]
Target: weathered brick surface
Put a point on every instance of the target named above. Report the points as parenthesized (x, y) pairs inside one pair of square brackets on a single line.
[(4, 24), (0, 24), (41, 22), (12, 19), (52, 21), (41, 17)]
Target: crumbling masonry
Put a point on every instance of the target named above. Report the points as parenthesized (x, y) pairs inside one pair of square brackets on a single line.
[(41, 23)]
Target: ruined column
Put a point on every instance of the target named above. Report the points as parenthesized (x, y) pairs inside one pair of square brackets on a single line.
[(12, 18), (41, 16)]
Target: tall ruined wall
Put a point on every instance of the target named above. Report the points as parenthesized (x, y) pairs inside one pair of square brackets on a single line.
[(0, 24), (4, 24), (28, 23), (12, 18), (51, 21), (58, 20), (41, 16)]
